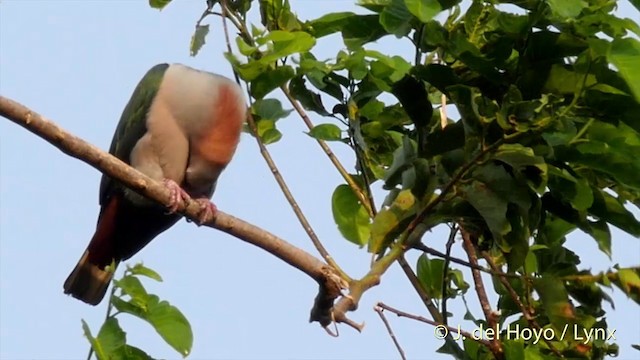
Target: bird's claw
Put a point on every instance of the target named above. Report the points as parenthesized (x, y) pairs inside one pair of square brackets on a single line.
[(207, 210), (177, 195)]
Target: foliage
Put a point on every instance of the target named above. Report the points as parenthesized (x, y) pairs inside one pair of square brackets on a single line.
[(128, 296), (544, 142)]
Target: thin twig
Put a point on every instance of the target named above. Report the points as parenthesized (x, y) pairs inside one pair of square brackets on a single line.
[(450, 329), (469, 247), (445, 272), (429, 250), (380, 312), (516, 299), (426, 299), (278, 176), (366, 202)]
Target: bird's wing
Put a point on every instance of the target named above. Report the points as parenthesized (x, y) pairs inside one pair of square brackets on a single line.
[(132, 125)]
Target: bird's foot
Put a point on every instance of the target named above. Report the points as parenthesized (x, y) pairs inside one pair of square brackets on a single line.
[(207, 210), (177, 195)]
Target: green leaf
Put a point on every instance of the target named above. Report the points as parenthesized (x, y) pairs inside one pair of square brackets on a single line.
[(244, 48), (350, 215), (523, 159), (159, 4), (609, 209), (268, 132), (140, 269), (276, 14), (127, 306), (133, 353), (373, 5), (566, 8), (361, 30), (327, 132), (287, 43), (389, 223), (329, 23), (308, 99), (248, 71), (513, 348), (270, 80), (396, 18), (624, 54), (562, 80), (198, 39), (574, 190), (492, 208), (430, 273), (130, 285), (270, 109), (424, 10), (111, 337), (491, 191), (165, 318), (403, 158), (555, 300), (628, 280), (95, 344), (609, 149), (171, 324)]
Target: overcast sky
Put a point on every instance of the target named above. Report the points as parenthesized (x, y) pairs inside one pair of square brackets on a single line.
[(77, 63)]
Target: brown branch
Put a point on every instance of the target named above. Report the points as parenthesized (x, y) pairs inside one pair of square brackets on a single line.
[(439, 326), (330, 283), (276, 172), (516, 299), (490, 315), (429, 250), (380, 312), (422, 293), (426, 298)]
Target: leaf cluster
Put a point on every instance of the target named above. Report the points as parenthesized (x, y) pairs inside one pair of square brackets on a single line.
[(515, 121), (129, 296)]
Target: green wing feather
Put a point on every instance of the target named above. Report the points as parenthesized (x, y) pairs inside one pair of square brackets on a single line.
[(133, 123)]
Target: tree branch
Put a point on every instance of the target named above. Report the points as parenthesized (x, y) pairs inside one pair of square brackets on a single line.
[(330, 282), (528, 315), (469, 247), (450, 329), (380, 312)]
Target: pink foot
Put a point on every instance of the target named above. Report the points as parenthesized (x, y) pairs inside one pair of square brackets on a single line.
[(177, 195), (207, 210)]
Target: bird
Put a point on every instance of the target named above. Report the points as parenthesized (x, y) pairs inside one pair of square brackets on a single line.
[(181, 126)]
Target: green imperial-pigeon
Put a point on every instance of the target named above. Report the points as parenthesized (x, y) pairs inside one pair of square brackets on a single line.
[(181, 126)]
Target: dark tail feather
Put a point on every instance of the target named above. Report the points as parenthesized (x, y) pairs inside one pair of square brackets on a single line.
[(87, 282), (122, 230)]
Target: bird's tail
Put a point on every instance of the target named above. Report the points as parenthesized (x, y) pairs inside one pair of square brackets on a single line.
[(88, 282)]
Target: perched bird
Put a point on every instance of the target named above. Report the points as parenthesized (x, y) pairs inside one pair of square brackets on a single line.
[(181, 126)]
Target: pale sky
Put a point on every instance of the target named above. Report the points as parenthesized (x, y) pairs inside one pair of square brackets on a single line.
[(77, 63)]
